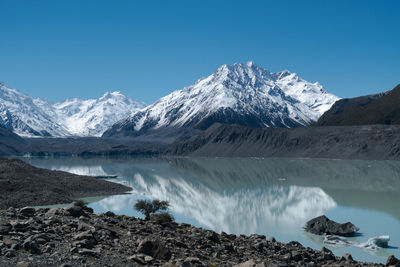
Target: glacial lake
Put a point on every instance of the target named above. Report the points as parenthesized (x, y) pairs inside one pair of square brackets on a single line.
[(269, 196)]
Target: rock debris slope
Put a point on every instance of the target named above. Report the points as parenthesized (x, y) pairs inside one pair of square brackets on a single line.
[(243, 94)]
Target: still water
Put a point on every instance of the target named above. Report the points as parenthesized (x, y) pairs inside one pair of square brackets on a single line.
[(268, 196)]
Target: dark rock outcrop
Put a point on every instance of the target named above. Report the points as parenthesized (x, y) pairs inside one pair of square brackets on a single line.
[(393, 261), (154, 248), (322, 225)]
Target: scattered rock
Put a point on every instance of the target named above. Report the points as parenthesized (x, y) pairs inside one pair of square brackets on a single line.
[(76, 211), (322, 225), (10, 253), (27, 211), (85, 240), (249, 263), (5, 228), (154, 248), (392, 261), (137, 258), (296, 256), (31, 245), (53, 211), (192, 260), (109, 214), (346, 257), (52, 237), (148, 259), (89, 252)]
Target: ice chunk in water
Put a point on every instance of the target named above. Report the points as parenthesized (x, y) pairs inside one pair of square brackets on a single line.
[(373, 243), (376, 242)]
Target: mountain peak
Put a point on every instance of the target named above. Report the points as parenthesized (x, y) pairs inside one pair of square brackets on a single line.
[(242, 93), (251, 64), (109, 94)]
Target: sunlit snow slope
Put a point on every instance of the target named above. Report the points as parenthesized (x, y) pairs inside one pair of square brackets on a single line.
[(243, 94), (29, 116)]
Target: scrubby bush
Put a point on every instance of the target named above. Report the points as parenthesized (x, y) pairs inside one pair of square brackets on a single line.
[(163, 217), (83, 204), (148, 207), (80, 203)]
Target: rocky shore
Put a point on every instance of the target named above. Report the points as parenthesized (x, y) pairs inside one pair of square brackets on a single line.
[(22, 184), (76, 237)]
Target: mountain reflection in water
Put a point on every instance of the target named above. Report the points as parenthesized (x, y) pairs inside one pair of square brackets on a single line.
[(268, 196)]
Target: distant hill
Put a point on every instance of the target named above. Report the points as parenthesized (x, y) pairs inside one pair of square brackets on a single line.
[(382, 108), (357, 142)]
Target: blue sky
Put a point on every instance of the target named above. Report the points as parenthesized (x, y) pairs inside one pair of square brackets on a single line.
[(147, 49)]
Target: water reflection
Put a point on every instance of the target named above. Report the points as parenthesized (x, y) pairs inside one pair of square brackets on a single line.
[(245, 210), (364, 184), (266, 196)]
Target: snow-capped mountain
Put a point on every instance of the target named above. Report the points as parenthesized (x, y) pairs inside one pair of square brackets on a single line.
[(29, 116), (92, 117), (244, 94)]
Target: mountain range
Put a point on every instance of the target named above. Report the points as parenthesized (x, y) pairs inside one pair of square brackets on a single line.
[(243, 94), (34, 117)]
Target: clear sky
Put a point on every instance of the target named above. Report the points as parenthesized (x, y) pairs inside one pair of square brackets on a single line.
[(147, 49)]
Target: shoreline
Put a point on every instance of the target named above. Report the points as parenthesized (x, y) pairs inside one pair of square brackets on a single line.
[(59, 236), (22, 185)]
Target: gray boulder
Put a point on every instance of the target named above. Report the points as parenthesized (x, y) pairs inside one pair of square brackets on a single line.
[(154, 248), (323, 226)]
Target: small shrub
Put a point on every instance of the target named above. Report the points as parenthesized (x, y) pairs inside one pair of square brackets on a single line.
[(163, 217), (80, 203), (148, 207)]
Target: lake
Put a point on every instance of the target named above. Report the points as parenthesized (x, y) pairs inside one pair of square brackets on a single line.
[(269, 196)]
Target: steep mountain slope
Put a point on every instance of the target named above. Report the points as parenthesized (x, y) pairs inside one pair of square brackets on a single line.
[(10, 143), (381, 108), (29, 116), (357, 142), (244, 94)]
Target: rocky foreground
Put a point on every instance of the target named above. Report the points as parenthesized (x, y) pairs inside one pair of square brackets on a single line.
[(76, 237)]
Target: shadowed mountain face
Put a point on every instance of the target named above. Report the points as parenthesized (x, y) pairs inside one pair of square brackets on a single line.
[(358, 142), (10, 143), (381, 108)]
